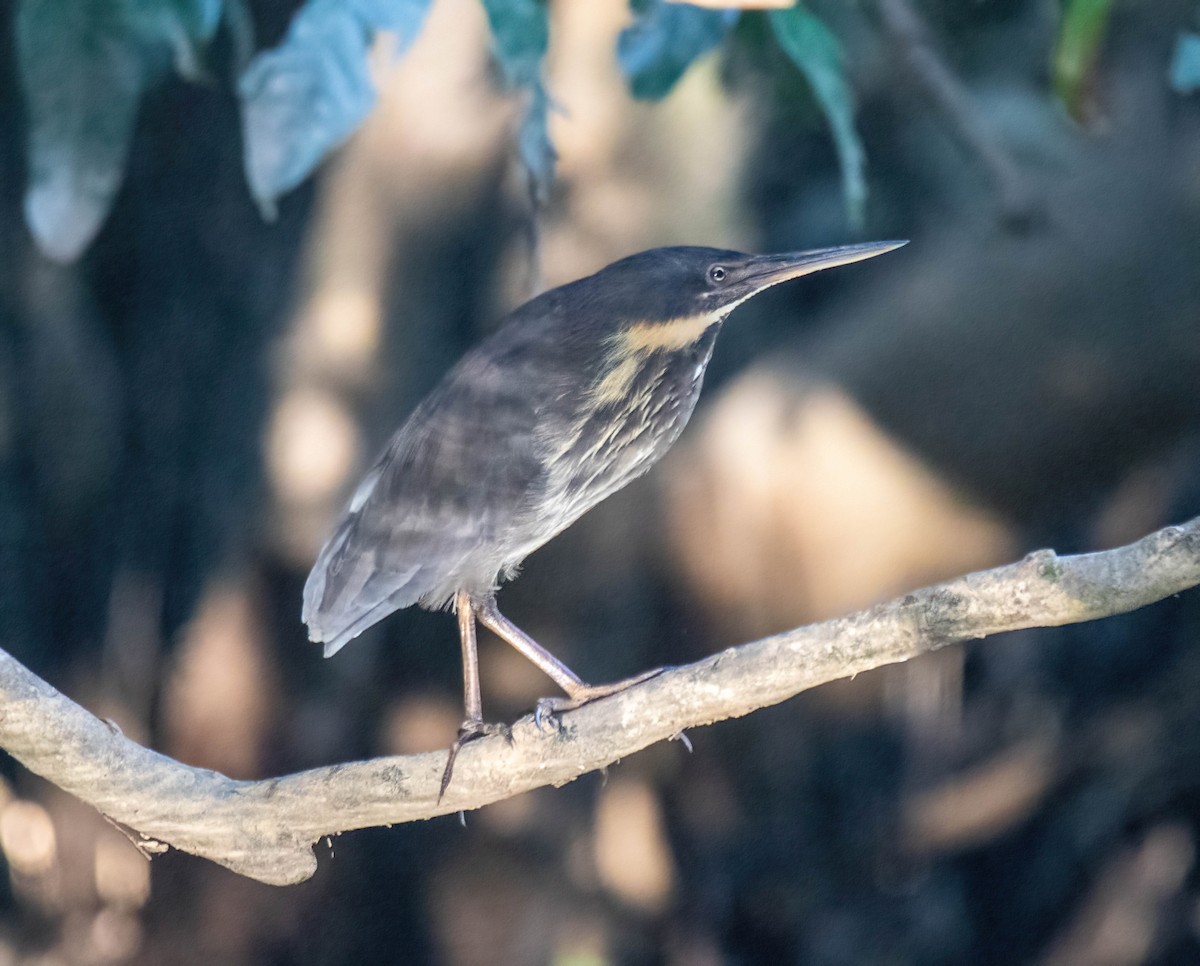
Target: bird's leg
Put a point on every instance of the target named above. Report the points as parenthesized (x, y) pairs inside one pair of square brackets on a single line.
[(490, 617), (579, 692), (472, 702), (473, 725)]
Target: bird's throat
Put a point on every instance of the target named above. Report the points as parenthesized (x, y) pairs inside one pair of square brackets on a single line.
[(635, 346), (671, 336)]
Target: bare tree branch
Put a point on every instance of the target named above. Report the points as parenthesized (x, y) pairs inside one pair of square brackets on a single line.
[(266, 829)]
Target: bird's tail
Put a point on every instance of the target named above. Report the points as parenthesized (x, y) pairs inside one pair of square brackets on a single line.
[(344, 593), (315, 612)]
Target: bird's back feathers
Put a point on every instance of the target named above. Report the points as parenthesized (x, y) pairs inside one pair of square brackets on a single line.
[(436, 512)]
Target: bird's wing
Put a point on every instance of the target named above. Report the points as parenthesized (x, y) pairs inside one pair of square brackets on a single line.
[(459, 472)]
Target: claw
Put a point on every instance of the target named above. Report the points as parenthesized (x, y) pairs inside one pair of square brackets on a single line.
[(545, 713), (548, 709), (468, 731)]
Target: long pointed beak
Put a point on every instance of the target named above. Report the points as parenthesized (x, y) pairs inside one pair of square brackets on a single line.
[(763, 271)]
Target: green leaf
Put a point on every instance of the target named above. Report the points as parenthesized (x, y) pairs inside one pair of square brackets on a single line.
[(817, 53), (303, 98), (1185, 64), (663, 41), (520, 36), (1080, 38), (184, 25), (534, 146), (83, 68)]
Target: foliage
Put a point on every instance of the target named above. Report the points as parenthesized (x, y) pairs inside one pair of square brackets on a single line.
[(520, 37), (302, 99), (85, 66), (1084, 25), (815, 50), (664, 39), (1185, 65)]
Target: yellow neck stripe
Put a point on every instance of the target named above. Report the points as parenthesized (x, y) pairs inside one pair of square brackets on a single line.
[(644, 337)]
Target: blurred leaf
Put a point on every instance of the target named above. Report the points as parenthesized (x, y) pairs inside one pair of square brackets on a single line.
[(520, 36), (739, 4), (239, 26), (534, 146), (83, 68), (816, 51), (302, 99), (1079, 42), (1185, 64), (183, 24), (664, 39)]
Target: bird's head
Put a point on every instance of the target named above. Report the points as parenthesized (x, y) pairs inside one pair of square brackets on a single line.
[(662, 305), (666, 298)]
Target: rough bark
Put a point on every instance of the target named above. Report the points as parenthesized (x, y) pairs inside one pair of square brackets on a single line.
[(266, 829)]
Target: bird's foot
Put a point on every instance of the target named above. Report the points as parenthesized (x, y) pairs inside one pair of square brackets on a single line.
[(548, 709), (469, 730)]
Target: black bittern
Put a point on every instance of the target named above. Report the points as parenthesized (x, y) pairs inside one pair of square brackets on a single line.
[(578, 392)]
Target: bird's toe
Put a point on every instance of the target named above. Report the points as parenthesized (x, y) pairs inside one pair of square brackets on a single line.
[(547, 709), (469, 731)]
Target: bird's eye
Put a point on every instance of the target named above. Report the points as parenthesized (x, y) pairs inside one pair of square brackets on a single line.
[(717, 274)]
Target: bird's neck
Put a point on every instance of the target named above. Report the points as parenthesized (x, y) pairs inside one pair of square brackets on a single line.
[(675, 353)]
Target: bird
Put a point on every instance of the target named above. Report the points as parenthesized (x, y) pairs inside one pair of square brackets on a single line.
[(576, 393)]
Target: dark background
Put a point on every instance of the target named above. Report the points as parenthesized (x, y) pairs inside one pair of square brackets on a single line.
[(184, 410)]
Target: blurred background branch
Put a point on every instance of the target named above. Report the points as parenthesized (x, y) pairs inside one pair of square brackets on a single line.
[(910, 34)]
